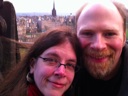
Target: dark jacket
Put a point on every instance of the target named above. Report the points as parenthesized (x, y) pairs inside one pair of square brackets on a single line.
[(85, 85), (124, 83)]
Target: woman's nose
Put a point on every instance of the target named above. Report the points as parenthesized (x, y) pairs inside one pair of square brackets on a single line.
[(60, 71)]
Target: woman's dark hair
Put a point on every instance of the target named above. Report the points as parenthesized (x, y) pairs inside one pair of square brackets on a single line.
[(15, 83)]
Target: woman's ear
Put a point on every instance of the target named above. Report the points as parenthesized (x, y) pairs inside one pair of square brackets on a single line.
[(32, 65)]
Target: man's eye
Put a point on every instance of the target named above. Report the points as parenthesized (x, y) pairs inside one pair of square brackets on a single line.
[(110, 34), (86, 33)]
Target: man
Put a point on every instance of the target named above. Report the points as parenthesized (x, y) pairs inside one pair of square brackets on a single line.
[(101, 29)]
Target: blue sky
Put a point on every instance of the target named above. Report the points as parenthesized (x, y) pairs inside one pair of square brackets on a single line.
[(62, 6)]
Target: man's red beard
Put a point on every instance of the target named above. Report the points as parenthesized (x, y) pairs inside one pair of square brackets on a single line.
[(99, 63)]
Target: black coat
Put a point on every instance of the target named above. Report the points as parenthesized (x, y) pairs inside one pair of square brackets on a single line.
[(124, 83), (85, 85)]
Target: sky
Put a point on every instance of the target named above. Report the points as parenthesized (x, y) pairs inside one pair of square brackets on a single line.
[(45, 6)]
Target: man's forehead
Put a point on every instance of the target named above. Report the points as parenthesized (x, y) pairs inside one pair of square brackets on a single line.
[(99, 9), (99, 6)]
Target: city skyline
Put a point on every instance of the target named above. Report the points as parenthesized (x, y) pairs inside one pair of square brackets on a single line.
[(45, 6)]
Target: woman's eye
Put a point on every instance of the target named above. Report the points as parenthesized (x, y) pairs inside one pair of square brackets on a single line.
[(71, 65), (49, 59), (52, 60)]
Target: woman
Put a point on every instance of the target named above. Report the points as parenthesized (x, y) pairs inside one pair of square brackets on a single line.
[(48, 68)]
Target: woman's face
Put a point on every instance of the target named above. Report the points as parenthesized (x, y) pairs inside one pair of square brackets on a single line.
[(50, 78)]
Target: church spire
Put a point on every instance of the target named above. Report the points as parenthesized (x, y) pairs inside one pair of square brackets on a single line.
[(54, 10), (54, 4)]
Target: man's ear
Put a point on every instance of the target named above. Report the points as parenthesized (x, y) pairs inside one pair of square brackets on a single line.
[(32, 65)]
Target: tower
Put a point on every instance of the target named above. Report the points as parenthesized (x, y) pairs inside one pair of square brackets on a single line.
[(54, 10)]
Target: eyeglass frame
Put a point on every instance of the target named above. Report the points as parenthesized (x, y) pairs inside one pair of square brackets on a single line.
[(76, 67)]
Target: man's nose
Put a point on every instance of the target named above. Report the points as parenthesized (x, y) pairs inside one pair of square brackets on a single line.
[(98, 42)]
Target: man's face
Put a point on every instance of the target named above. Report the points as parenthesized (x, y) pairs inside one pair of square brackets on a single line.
[(100, 31)]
